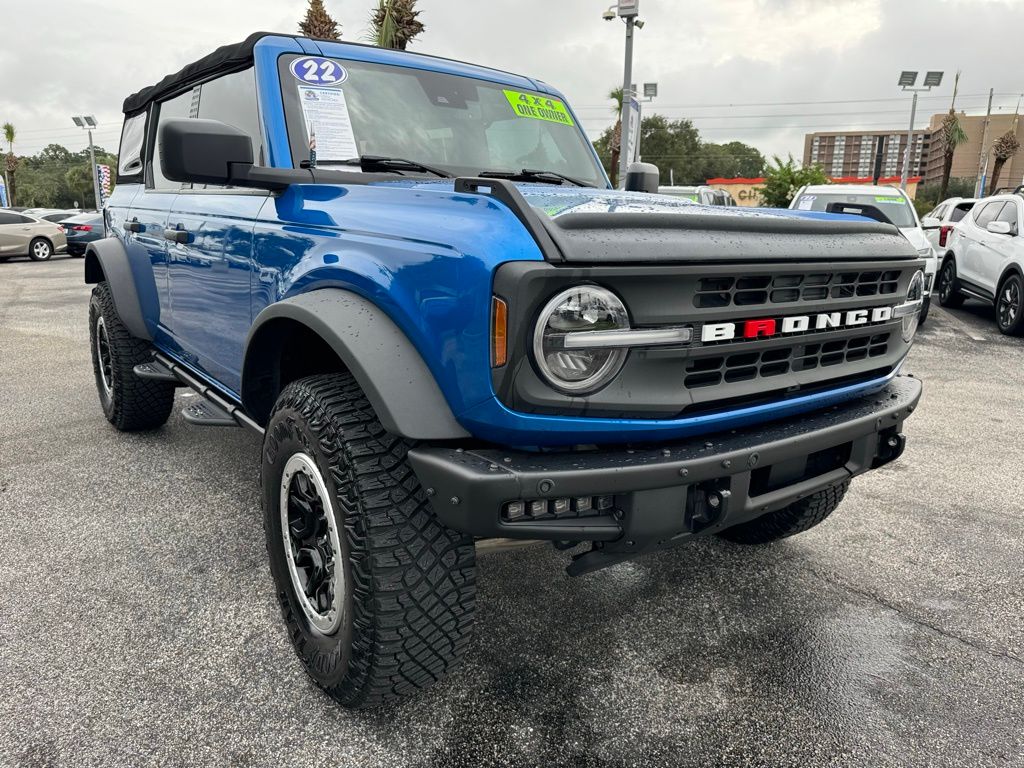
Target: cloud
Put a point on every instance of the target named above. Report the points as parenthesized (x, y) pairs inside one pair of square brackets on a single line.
[(62, 57)]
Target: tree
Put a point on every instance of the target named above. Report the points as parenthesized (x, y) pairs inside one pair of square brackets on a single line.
[(953, 136), (11, 164), (58, 178), (783, 179), (395, 23), (1005, 147), (318, 23)]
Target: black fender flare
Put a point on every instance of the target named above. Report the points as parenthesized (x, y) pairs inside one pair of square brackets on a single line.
[(107, 260), (390, 370)]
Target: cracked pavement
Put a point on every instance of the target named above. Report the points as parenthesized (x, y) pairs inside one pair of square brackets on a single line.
[(138, 627)]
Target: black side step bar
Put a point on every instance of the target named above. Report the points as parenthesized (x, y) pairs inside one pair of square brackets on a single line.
[(214, 410)]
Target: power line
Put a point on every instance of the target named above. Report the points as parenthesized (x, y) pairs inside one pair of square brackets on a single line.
[(730, 105)]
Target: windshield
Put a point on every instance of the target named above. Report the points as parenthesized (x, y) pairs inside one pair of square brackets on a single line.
[(893, 207), (459, 125)]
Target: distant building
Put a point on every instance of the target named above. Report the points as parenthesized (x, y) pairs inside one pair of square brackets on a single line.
[(967, 156), (747, 192), (852, 153)]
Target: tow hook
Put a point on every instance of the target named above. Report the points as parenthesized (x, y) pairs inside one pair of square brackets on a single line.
[(890, 447)]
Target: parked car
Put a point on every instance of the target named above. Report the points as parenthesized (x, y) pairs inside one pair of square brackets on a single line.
[(446, 326), (55, 215), (700, 194), (939, 222), (886, 204), (82, 230), (24, 235), (985, 260)]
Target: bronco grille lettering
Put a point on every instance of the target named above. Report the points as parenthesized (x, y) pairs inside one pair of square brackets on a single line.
[(764, 328)]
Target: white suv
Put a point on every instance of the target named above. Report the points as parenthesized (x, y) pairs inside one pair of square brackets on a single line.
[(888, 204), (985, 260)]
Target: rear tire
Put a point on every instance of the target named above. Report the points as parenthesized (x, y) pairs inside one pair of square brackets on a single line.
[(131, 404), (949, 286), (40, 249), (798, 517), (377, 594), (1010, 305), (926, 305)]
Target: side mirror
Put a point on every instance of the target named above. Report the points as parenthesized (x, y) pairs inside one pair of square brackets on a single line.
[(203, 151), (642, 177), (930, 222), (1001, 228)]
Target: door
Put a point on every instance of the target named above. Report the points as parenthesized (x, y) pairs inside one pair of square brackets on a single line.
[(969, 263), (209, 257), (209, 245), (998, 250), (15, 234)]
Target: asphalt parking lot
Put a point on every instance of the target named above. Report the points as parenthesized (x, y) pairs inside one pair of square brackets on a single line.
[(137, 622)]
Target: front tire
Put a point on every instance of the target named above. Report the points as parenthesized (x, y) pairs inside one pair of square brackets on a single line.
[(949, 286), (131, 404), (798, 517), (40, 249), (377, 594), (1010, 306)]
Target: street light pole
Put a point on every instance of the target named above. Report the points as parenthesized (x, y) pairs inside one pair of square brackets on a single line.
[(910, 144), (95, 174), (907, 82), (87, 123), (627, 98)]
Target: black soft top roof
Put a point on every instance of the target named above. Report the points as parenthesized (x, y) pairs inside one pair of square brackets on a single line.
[(227, 57)]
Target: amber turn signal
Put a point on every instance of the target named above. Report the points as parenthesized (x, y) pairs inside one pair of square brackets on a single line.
[(499, 332)]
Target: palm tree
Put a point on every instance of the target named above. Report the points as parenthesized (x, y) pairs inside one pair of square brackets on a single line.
[(953, 136), (12, 162), (395, 23), (318, 23), (615, 94), (1003, 148)]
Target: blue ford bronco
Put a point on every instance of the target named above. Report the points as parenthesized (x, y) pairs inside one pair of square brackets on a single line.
[(411, 277)]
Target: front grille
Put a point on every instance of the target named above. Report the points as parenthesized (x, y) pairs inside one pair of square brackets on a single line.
[(785, 289), (748, 366)]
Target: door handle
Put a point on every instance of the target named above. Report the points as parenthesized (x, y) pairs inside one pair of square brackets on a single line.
[(178, 235), (133, 226)]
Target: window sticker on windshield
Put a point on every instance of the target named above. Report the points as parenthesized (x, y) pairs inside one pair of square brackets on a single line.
[(538, 107), (895, 200), (805, 203), (328, 124), (316, 70)]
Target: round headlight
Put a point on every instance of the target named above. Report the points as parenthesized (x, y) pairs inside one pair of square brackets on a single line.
[(584, 308), (914, 293)]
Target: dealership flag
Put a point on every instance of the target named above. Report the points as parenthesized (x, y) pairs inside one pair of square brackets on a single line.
[(103, 172)]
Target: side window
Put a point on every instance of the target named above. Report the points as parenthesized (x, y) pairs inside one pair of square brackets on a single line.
[(988, 213), (939, 213), (1008, 214), (129, 156), (179, 106), (232, 100), (9, 218), (960, 211)]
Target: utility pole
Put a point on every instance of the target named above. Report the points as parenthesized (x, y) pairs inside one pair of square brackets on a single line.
[(979, 187)]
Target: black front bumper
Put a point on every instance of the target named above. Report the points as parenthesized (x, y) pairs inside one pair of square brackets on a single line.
[(655, 495)]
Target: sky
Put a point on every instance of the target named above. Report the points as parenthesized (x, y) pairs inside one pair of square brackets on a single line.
[(760, 71)]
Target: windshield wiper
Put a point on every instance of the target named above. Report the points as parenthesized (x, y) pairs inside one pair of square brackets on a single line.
[(370, 163), (528, 174)]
